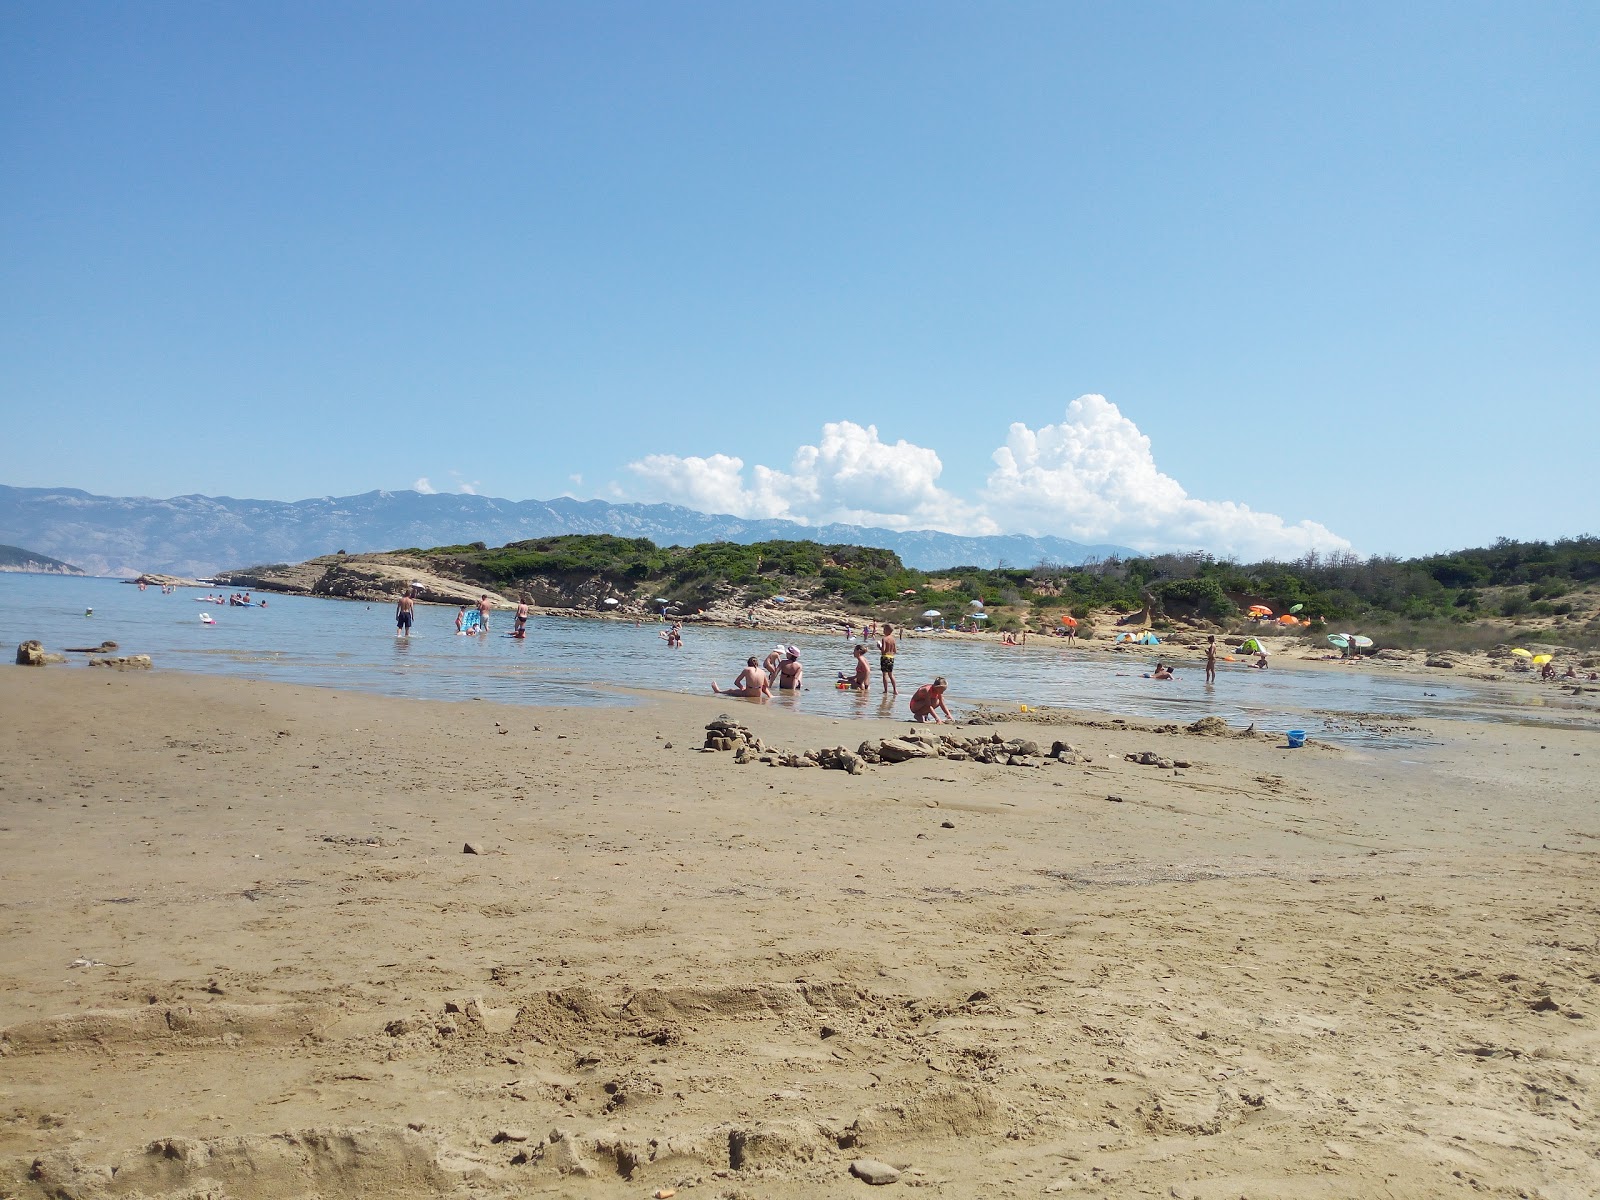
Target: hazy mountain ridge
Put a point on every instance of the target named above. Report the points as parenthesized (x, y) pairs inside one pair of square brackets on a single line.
[(31, 562), (198, 535)]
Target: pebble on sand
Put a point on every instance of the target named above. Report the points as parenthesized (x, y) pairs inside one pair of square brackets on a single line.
[(870, 1170)]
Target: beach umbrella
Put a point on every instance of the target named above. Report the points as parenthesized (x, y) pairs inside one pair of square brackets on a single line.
[(980, 616), (1339, 640), (1521, 653), (1070, 620), (974, 603), (1361, 641), (1260, 610), (612, 600), (1297, 608), (1540, 659), (933, 612), (1286, 619)]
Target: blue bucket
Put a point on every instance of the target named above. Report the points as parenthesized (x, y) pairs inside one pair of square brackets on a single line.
[(1297, 738)]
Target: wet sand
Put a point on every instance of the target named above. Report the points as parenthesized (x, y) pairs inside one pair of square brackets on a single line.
[(1276, 973)]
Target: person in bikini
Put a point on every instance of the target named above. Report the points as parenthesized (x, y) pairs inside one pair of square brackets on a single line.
[(886, 652), (1211, 659), (752, 682), (790, 670)]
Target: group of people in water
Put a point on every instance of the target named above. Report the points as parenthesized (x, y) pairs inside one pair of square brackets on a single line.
[(782, 667)]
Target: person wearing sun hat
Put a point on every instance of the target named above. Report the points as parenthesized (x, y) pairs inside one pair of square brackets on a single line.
[(790, 670)]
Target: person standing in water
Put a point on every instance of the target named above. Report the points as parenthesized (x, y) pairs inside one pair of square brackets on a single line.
[(404, 614), (1211, 659), (886, 652), (522, 616), (483, 614)]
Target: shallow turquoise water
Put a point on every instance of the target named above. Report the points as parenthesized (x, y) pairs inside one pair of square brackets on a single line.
[(351, 645)]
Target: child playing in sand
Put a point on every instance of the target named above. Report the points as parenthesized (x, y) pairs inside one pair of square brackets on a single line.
[(928, 698), (861, 679)]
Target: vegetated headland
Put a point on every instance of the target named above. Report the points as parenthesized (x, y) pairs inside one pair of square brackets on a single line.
[(1544, 592)]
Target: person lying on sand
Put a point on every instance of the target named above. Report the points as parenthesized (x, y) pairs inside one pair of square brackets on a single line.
[(751, 683), (861, 679), (790, 671), (927, 698)]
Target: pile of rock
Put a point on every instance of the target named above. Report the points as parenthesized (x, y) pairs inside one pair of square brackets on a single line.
[(1149, 758), (125, 662), (994, 748), (727, 734)]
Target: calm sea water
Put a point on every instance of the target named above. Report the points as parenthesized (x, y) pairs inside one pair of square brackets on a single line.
[(351, 645)]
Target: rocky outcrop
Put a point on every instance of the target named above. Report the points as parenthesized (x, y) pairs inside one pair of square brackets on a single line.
[(379, 578), (33, 654), (126, 662)]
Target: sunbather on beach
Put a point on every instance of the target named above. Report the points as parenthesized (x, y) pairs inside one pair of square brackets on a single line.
[(928, 701), (751, 683)]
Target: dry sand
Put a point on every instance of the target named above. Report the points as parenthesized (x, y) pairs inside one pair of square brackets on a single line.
[(1314, 973)]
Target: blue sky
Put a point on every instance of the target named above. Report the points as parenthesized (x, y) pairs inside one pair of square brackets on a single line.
[(1332, 268)]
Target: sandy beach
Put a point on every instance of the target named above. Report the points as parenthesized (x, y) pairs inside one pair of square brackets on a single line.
[(246, 955)]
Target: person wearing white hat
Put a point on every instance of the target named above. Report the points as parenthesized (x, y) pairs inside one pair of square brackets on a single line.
[(790, 671)]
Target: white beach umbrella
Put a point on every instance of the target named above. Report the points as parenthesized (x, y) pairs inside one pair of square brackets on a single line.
[(980, 616), (612, 600), (933, 612), (975, 603)]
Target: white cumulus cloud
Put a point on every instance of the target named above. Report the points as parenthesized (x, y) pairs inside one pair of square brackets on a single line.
[(422, 485), (851, 475), (1093, 478), (1090, 478)]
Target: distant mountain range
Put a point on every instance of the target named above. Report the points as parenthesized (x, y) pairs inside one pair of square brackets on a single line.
[(15, 558), (198, 535)]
